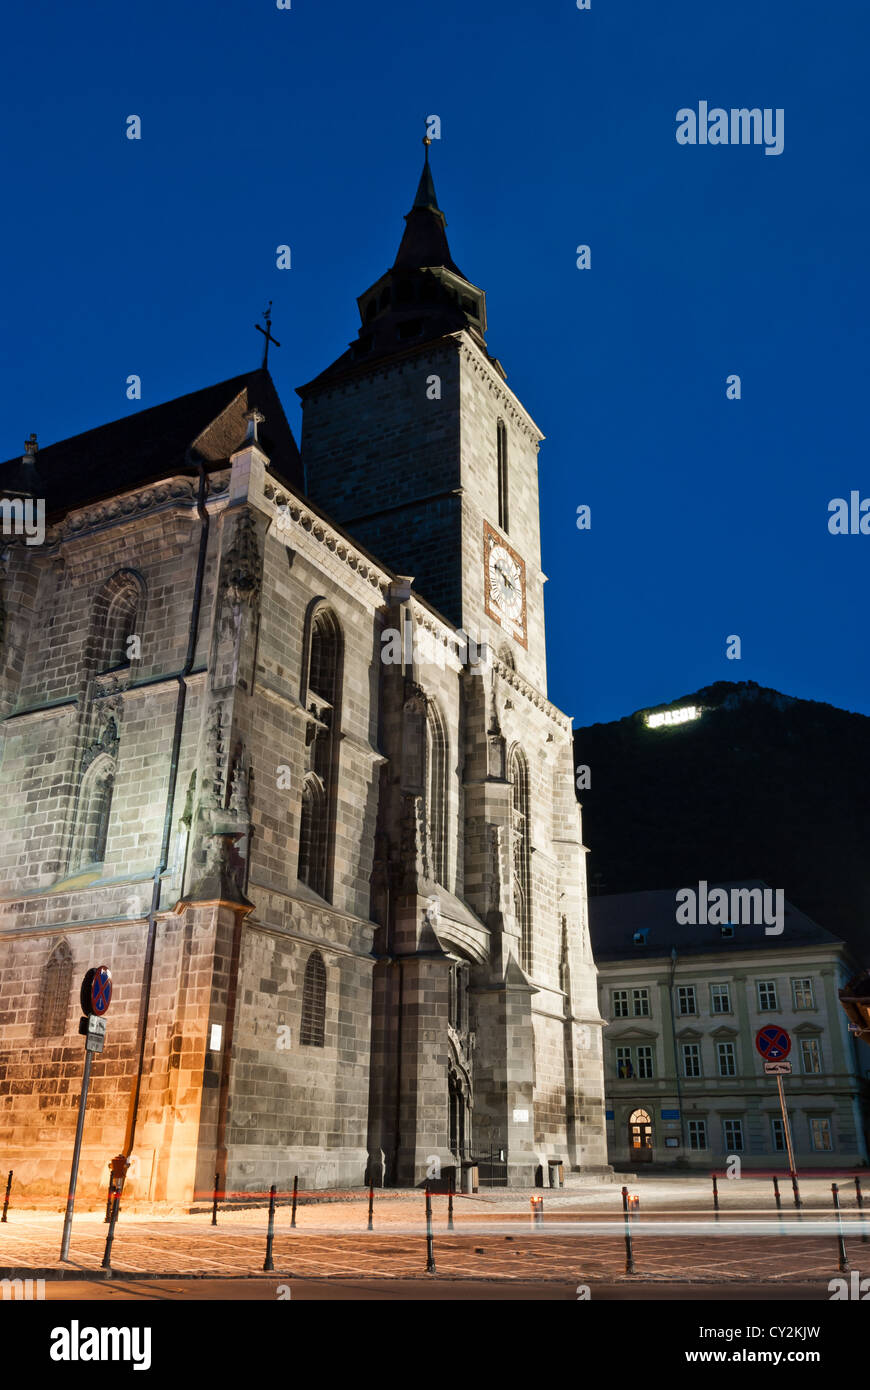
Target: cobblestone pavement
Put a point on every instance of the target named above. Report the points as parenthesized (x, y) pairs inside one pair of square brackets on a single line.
[(582, 1237)]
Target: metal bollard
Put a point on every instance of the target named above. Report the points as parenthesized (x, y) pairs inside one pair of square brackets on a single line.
[(450, 1204), (293, 1208), (371, 1205), (715, 1198), (106, 1262), (217, 1178), (859, 1196), (430, 1253), (6, 1198), (797, 1194), (629, 1253), (841, 1244), (108, 1216), (777, 1197), (270, 1233)]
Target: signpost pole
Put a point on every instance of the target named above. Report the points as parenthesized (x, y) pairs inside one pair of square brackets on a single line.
[(77, 1149), (786, 1126)]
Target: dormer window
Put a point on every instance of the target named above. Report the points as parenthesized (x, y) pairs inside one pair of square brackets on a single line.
[(726, 930), (640, 937), (469, 305)]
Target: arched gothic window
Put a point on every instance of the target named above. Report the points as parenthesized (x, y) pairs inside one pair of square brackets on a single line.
[(312, 835), (521, 847), (321, 697), (118, 611), (312, 1032), (436, 792), (502, 453), (94, 812), (55, 992)]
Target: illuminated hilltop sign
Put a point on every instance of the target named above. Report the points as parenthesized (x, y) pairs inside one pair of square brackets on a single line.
[(673, 716)]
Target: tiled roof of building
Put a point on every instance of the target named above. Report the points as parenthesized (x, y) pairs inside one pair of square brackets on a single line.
[(151, 444), (617, 919)]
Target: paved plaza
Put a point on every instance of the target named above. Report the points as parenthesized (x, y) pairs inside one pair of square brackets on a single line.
[(677, 1237)]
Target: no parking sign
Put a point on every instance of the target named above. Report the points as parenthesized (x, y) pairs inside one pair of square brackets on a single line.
[(773, 1042), (96, 995)]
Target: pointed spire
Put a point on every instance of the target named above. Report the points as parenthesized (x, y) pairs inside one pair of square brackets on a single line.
[(426, 196), (424, 241)]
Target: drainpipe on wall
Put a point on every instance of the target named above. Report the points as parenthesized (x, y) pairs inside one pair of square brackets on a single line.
[(160, 868), (676, 1058)]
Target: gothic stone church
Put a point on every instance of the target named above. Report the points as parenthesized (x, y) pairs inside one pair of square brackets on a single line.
[(278, 751)]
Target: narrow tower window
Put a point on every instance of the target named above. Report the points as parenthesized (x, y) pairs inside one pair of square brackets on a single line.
[(502, 450), (312, 1032), (436, 791), (519, 776), (322, 692)]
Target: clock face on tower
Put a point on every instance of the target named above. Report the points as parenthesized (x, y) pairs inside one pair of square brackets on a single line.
[(504, 580)]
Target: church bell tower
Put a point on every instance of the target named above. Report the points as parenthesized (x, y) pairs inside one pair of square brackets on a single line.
[(414, 443)]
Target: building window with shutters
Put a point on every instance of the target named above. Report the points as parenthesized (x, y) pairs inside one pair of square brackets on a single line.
[(312, 1031)]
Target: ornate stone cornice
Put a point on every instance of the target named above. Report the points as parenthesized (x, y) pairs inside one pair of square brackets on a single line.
[(528, 692), (511, 406), (291, 512), (172, 492)]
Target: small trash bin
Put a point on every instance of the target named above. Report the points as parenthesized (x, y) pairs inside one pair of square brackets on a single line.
[(556, 1170), (470, 1177)]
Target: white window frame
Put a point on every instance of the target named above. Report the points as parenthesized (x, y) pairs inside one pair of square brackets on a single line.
[(729, 1051), (697, 1130), (718, 992), (645, 1058), (814, 1047), (687, 994), (692, 1050), (769, 988), (801, 987)]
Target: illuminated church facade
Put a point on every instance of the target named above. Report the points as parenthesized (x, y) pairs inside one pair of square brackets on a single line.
[(277, 750)]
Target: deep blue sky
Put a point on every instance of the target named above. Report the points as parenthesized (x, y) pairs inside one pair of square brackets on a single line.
[(263, 126)]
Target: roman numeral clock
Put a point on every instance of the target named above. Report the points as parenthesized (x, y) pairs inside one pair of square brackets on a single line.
[(504, 584)]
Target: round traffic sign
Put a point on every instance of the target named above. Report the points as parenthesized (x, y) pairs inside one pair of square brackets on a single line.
[(96, 995), (773, 1042)]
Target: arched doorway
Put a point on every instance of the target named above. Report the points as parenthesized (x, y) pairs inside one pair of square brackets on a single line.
[(640, 1144)]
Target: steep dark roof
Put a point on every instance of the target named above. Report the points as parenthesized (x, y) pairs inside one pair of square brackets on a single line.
[(424, 241), (153, 444), (422, 298), (614, 919)]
